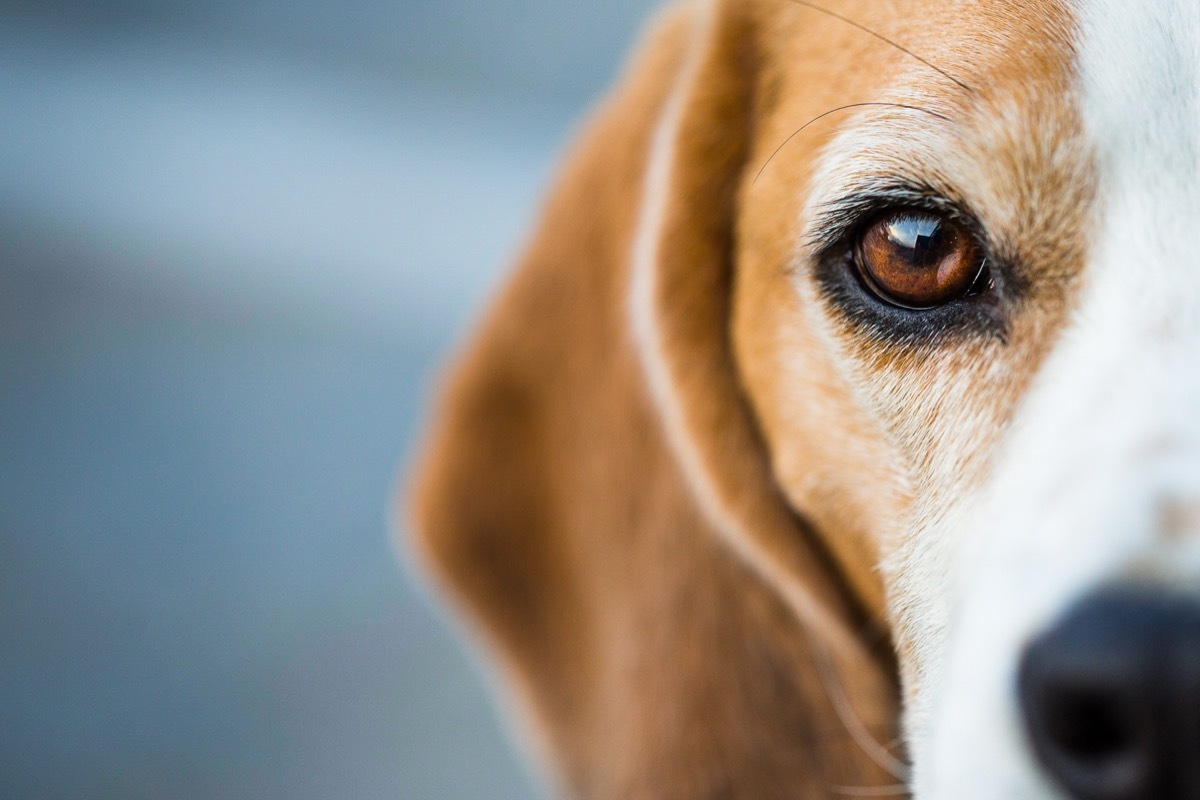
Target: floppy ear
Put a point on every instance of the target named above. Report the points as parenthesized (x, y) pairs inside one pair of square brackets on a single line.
[(595, 497)]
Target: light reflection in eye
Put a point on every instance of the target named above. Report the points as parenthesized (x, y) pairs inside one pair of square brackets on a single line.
[(919, 234)]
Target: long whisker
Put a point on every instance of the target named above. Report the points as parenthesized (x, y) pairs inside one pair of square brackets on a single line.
[(849, 718), (834, 111), (882, 38), (870, 791)]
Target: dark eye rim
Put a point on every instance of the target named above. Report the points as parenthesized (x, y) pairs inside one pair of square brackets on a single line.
[(981, 311)]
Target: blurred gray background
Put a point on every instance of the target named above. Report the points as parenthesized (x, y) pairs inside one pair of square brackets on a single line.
[(236, 239)]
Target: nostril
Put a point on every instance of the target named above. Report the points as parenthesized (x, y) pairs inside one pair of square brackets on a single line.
[(1096, 740), (1088, 730), (1091, 725)]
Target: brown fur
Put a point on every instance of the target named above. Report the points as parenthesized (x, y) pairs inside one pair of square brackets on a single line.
[(651, 658)]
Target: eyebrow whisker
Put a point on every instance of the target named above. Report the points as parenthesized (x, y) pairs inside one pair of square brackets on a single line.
[(834, 111), (881, 37)]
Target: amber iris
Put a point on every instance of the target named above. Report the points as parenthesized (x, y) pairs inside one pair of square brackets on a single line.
[(918, 259)]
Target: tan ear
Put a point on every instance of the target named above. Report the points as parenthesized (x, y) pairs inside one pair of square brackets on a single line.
[(594, 495)]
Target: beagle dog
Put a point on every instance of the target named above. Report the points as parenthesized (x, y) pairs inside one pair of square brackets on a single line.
[(838, 434)]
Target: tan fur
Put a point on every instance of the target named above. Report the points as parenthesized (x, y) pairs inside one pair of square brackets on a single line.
[(868, 438), (566, 505)]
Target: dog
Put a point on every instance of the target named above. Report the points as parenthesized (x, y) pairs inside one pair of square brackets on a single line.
[(838, 434)]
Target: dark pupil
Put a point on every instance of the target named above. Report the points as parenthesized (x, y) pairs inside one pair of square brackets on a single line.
[(920, 240)]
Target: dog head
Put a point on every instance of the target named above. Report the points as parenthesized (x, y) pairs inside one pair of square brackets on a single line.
[(850, 318)]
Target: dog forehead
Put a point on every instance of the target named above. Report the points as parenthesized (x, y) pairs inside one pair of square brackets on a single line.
[(976, 101)]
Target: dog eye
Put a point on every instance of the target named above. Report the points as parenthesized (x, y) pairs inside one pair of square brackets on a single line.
[(918, 259)]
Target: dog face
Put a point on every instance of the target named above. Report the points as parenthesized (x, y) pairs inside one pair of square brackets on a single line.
[(842, 313), (911, 411)]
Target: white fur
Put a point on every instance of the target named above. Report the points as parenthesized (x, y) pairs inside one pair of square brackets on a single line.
[(1105, 448)]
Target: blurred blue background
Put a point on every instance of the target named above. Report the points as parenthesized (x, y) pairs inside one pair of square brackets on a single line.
[(236, 239)]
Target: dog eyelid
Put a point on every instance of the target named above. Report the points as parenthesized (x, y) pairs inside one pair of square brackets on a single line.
[(837, 221)]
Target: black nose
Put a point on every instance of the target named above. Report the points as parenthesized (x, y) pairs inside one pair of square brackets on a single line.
[(1111, 697)]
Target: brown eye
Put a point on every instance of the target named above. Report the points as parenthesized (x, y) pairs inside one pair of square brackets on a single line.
[(916, 259)]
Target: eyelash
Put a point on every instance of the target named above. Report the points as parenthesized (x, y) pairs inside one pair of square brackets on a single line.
[(840, 221)]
